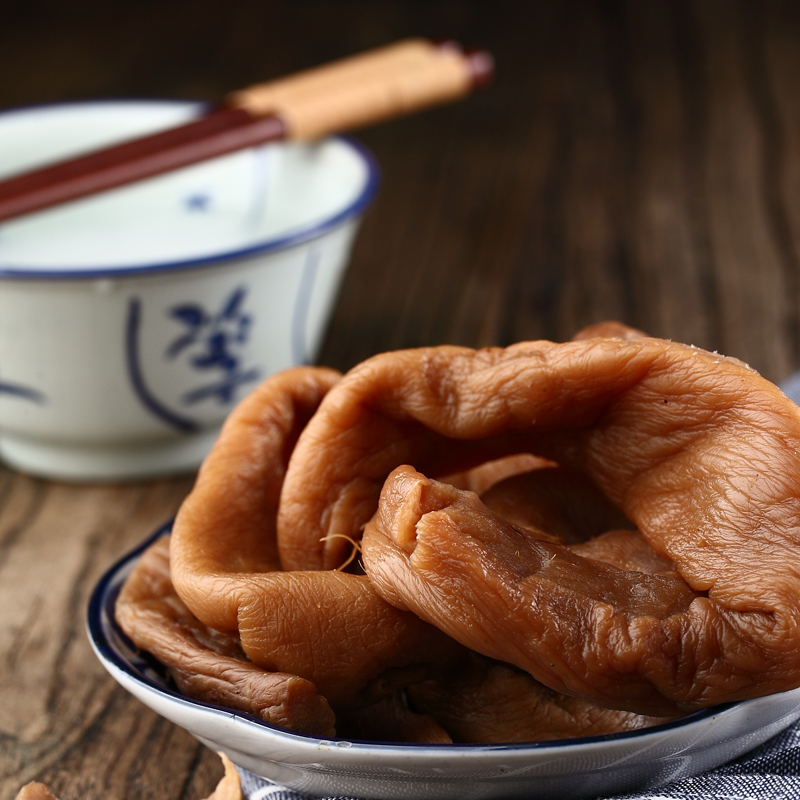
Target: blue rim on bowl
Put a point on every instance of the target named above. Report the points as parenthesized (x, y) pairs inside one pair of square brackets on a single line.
[(281, 241)]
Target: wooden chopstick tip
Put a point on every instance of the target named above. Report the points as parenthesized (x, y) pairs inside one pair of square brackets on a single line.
[(479, 62)]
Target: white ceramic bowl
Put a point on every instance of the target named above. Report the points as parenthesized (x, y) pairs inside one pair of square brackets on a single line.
[(575, 768), (132, 322)]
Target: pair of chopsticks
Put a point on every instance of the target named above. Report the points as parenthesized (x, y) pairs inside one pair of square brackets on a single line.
[(347, 94)]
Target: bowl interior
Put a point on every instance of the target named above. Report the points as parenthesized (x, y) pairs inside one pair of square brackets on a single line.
[(260, 197)]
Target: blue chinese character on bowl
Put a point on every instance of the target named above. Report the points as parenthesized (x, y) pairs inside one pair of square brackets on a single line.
[(17, 390), (211, 344), (210, 348), (132, 322)]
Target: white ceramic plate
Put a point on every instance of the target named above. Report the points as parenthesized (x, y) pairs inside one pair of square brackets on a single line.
[(574, 768)]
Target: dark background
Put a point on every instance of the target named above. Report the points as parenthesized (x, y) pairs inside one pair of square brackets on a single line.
[(633, 160)]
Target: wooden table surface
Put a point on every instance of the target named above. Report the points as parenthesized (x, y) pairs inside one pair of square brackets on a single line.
[(633, 160)]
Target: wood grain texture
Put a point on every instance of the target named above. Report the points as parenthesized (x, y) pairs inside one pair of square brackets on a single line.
[(634, 160)]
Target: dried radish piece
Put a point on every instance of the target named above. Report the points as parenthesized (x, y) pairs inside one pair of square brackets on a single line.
[(328, 627), (207, 664), (35, 791), (633, 639)]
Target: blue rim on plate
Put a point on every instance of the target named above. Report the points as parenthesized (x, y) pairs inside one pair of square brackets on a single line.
[(149, 672), (284, 240)]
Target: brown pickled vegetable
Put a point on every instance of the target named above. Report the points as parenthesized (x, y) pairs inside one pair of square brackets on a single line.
[(569, 621), (207, 664), (328, 627), (487, 701), (632, 551), (698, 451)]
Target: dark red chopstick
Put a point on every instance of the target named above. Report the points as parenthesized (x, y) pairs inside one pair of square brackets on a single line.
[(224, 130), (228, 128)]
